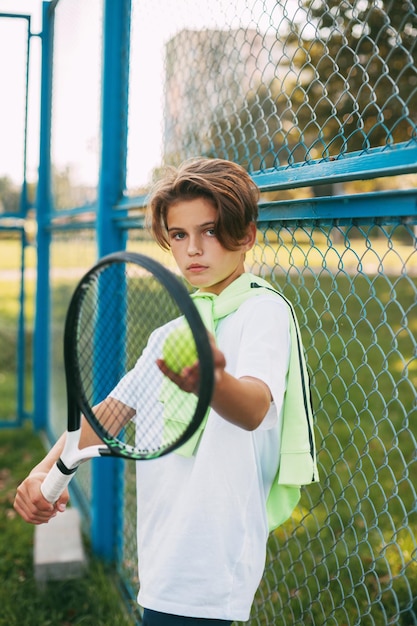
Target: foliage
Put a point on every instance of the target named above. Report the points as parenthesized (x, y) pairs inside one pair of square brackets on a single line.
[(345, 81), (9, 196), (363, 82)]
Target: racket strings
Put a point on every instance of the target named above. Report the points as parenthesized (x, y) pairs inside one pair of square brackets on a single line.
[(121, 308)]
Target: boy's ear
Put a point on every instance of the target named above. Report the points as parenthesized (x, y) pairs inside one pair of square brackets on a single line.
[(249, 239)]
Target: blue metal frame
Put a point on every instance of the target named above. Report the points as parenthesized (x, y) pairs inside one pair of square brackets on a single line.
[(115, 74), (373, 163), (107, 515), (390, 204), (365, 205), (44, 203), (24, 203), (398, 159), (21, 412)]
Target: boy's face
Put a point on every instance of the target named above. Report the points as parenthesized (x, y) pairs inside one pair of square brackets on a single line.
[(202, 260)]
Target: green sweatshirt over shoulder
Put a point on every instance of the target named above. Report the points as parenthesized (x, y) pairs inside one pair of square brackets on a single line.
[(298, 465)]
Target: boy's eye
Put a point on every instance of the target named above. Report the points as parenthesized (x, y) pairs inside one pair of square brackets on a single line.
[(178, 235), (211, 232)]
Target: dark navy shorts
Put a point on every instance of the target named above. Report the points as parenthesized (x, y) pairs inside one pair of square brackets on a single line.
[(154, 618)]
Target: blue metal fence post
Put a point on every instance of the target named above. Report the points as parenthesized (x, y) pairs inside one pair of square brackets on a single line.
[(43, 207), (24, 205), (107, 492)]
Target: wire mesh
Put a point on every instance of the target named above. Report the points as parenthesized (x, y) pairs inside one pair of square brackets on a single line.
[(349, 555), (270, 84)]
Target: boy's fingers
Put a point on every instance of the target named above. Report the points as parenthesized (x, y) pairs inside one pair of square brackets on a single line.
[(61, 503), (33, 512), (30, 504)]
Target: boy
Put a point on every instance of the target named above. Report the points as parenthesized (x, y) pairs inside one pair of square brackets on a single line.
[(204, 512)]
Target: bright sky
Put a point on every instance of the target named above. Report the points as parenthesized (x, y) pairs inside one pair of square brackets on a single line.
[(76, 83), (13, 33)]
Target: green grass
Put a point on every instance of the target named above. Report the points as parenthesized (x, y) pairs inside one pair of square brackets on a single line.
[(92, 599)]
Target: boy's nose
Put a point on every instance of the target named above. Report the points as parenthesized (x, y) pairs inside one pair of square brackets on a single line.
[(194, 246)]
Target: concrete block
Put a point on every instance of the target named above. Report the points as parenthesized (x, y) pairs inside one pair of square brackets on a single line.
[(58, 548)]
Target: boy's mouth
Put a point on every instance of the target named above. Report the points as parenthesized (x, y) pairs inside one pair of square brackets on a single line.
[(196, 267)]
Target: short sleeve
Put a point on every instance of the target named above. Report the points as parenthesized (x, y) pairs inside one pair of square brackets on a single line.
[(256, 341)]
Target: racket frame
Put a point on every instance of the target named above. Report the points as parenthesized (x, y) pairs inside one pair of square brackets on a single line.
[(78, 404)]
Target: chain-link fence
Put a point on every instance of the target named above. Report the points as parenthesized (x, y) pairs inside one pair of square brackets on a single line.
[(349, 553), (269, 83), (318, 101)]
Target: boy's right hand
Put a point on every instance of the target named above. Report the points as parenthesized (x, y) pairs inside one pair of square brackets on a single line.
[(30, 504)]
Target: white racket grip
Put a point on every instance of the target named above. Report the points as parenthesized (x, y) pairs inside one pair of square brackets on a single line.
[(55, 483)]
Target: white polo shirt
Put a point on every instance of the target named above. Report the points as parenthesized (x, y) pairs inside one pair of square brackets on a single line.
[(202, 525)]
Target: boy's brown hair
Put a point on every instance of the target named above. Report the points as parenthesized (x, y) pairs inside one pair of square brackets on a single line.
[(227, 185)]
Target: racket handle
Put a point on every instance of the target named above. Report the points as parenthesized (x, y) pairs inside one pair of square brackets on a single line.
[(55, 483)]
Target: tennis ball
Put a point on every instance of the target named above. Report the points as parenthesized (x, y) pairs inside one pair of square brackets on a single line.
[(179, 349)]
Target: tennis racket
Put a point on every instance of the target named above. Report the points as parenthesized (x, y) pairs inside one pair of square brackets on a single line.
[(125, 307)]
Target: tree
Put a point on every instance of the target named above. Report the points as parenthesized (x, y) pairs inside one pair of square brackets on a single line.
[(9, 196), (346, 81), (363, 88)]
